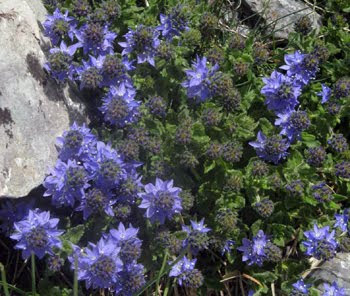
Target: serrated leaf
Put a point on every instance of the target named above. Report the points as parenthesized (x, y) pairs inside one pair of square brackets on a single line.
[(74, 234)]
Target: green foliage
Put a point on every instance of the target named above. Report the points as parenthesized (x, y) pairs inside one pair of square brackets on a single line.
[(215, 183)]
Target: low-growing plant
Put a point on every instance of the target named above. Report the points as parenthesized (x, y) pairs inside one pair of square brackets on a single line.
[(214, 162)]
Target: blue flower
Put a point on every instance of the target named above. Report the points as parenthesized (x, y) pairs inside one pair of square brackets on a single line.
[(301, 287), (251, 292), (98, 265), (253, 250), (127, 240), (37, 234), (292, 124), (325, 94), (119, 107), (272, 149), (114, 71), (293, 62), (315, 156), (130, 188), (58, 25), (342, 88), (173, 24), (196, 226), (199, 80), (106, 167), (96, 39), (322, 192), (197, 237), (66, 183), (11, 212), (90, 73), (157, 106), (77, 143), (227, 246), (181, 268), (161, 200), (333, 290), (96, 201), (59, 63), (320, 243), (342, 220), (281, 92), (302, 67), (131, 279), (338, 143), (143, 41), (342, 169)]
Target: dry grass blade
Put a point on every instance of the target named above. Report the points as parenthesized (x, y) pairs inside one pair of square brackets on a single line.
[(252, 279)]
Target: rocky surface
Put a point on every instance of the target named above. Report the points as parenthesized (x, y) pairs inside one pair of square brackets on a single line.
[(281, 15), (34, 110), (336, 269)]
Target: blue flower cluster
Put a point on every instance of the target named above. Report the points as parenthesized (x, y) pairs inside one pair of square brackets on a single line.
[(342, 221), (333, 290), (161, 200), (254, 250), (37, 234), (59, 26), (89, 174), (173, 24), (199, 80), (197, 238), (301, 288), (144, 42), (102, 67), (94, 178), (112, 262), (282, 92), (119, 107), (186, 273), (103, 180), (320, 243)]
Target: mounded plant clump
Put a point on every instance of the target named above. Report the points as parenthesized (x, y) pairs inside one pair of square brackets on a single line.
[(215, 162)]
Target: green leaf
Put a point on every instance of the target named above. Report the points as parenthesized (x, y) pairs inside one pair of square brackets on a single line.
[(73, 235), (309, 140), (256, 226), (296, 166), (309, 200), (198, 134), (281, 233), (333, 205), (339, 197), (266, 277), (209, 167), (266, 126)]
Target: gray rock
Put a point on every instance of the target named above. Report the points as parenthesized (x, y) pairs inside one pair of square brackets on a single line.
[(336, 269), (34, 110), (283, 14)]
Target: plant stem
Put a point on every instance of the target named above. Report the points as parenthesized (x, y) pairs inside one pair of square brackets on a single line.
[(75, 283), (3, 279), (166, 289), (32, 257), (166, 270), (14, 288), (161, 272)]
